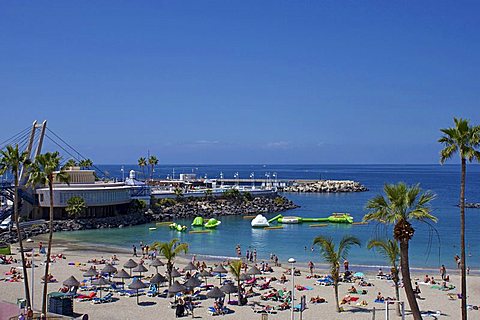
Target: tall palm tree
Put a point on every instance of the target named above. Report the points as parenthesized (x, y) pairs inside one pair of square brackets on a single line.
[(12, 160), (401, 205), (464, 140), (235, 267), (333, 256), (390, 250), (45, 170), (170, 250), (142, 163), (152, 161), (85, 163)]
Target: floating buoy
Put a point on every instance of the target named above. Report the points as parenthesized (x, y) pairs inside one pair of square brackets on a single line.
[(200, 231), (248, 217), (165, 223), (273, 228), (319, 225)]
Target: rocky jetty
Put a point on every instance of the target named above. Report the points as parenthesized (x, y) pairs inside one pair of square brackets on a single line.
[(472, 205), (163, 210), (170, 210), (327, 186)]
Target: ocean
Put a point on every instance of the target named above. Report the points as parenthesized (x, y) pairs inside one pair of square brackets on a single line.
[(432, 245)]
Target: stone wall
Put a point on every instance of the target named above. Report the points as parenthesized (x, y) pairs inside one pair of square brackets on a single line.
[(327, 186)]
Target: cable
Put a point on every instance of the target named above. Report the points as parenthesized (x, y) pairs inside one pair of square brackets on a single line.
[(14, 140), (14, 136)]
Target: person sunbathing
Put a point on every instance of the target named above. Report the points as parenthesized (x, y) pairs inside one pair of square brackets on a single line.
[(283, 278), (380, 272), (346, 299), (426, 279), (317, 299), (417, 289), (352, 290), (432, 281), (380, 297)]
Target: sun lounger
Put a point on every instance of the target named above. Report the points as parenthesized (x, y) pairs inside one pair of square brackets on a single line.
[(89, 297), (105, 299), (134, 293)]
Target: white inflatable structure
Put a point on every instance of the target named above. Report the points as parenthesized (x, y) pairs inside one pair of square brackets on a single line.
[(260, 222)]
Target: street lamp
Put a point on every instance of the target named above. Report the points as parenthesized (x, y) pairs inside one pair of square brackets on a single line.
[(252, 176), (292, 262)]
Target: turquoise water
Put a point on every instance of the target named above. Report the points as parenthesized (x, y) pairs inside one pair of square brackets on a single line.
[(429, 248)]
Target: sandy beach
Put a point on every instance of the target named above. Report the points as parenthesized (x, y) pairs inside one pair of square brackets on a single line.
[(124, 307)]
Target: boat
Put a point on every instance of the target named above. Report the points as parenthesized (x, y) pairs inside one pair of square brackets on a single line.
[(152, 228), (197, 222), (259, 222), (212, 223)]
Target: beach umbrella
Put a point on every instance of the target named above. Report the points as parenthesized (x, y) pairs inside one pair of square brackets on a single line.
[(140, 268), (90, 273), (254, 271), (192, 283), (136, 285), (175, 288), (158, 278), (190, 267), (205, 274), (229, 288), (175, 274), (215, 293), (359, 275), (244, 277), (156, 263), (100, 282), (220, 269), (122, 274), (109, 269), (71, 282), (130, 264)]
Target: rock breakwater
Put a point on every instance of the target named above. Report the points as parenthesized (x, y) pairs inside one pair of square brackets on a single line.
[(327, 186)]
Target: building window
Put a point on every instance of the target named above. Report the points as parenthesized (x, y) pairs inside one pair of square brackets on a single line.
[(41, 197)]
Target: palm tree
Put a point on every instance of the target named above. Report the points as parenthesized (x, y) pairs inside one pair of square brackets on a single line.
[(43, 171), (464, 140), (402, 204), (76, 206), (142, 163), (332, 256), (235, 267), (390, 250), (11, 160), (85, 164), (152, 161), (70, 163), (170, 250)]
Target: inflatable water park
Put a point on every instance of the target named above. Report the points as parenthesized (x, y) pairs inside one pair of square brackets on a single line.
[(211, 223), (261, 222)]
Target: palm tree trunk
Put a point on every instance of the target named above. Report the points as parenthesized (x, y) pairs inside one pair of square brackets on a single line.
[(407, 282), (335, 285), (462, 240), (169, 271), (239, 291), (20, 242), (49, 252), (397, 293)]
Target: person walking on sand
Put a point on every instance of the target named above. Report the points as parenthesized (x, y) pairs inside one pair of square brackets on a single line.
[(134, 250), (311, 266), (345, 264), (443, 271)]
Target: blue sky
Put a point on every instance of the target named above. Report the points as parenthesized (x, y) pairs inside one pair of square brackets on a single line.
[(242, 81)]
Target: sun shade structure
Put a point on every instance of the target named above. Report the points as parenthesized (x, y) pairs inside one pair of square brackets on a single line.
[(130, 264), (140, 268), (100, 282), (91, 273), (205, 274), (156, 263), (192, 283), (176, 287), (244, 277), (228, 289), (215, 293), (122, 274), (71, 282), (158, 278), (136, 285), (175, 273), (254, 271), (221, 270), (190, 267), (109, 269)]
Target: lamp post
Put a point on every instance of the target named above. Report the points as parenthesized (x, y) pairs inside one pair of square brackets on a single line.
[(292, 262), (221, 179), (252, 176), (123, 173)]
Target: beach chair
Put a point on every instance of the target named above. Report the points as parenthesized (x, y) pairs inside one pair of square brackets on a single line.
[(105, 299), (134, 293), (152, 291), (223, 311), (89, 297)]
